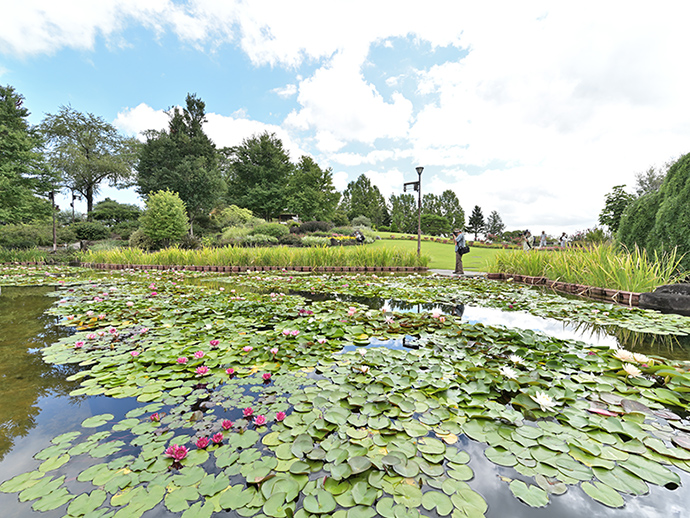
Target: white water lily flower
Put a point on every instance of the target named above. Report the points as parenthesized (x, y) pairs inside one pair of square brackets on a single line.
[(544, 401), (519, 360), (641, 358), (364, 369), (631, 370), (623, 355), (508, 372), (362, 351)]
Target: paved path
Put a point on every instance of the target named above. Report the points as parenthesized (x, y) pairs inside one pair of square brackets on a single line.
[(449, 273)]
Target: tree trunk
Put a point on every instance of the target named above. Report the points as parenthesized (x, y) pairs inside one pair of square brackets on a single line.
[(89, 202)]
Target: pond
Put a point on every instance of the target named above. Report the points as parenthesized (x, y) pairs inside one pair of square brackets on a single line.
[(378, 405)]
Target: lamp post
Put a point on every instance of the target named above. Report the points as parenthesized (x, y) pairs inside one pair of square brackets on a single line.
[(417, 186)]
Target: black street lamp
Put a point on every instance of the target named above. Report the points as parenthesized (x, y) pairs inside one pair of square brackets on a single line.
[(417, 186)]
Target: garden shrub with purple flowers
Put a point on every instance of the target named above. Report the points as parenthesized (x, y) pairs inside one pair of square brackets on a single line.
[(254, 399)]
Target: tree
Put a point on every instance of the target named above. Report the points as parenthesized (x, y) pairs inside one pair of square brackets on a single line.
[(23, 173), (449, 208), (494, 224), (403, 213), (659, 221), (650, 180), (476, 222), (435, 225), (111, 213), (616, 202), (87, 151), (310, 191), (165, 219), (361, 198), (257, 173), (183, 159)]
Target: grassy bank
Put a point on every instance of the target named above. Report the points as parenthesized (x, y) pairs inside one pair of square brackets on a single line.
[(441, 255), (269, 256), (603, 265)]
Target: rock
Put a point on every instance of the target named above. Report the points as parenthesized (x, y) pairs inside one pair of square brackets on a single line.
[(672, 298)]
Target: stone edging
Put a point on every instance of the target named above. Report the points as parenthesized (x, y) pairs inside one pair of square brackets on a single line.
[(232, 269), (627, 298)]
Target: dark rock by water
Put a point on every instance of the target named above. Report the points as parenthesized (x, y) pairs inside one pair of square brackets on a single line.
[(671, 298)]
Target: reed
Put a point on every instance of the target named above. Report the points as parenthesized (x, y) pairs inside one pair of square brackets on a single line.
[(8, 255), (263, 256), (604, 266)]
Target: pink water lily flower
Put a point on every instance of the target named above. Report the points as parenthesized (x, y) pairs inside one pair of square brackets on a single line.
[(129, 304), (154, 293), (321, 340), (91, 336), (280, 416), (79, 344), (260, 420), (134, 353), (202, 442), (230, 371), (247, 412), (214, 343), (217, 438), (274, 351), (199, 354), (155, 417), (176, 452), (89, 313), (182, 359), (143, 330), (266, 376), (201, 371), (247, 348), (286, 332), (294, 332), (101, 316), (226, 424)]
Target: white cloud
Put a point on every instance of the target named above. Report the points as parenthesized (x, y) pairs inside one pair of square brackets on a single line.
[(286, 91), (134, 121)]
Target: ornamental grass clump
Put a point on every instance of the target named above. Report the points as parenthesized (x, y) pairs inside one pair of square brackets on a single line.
[(604, 266)]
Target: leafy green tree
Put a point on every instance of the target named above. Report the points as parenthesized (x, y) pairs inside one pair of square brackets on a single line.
[(310, 191), (87, 151), (23, 173), (650, 180), (361, 198), (111, 213), (183, 159), (494, 224), (449, 208), (476, 222), (257, 173), (616, 202), (403, 213), (232, 216), (165, 219), (435, 225)]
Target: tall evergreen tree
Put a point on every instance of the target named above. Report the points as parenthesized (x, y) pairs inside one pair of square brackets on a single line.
[(182, 159), (23, 173), (476, 222), (87, 151), (494, 224), (257, 173), (362, 198)]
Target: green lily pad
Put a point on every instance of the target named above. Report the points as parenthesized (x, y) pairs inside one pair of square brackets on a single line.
[(531, 495), (604, 494)]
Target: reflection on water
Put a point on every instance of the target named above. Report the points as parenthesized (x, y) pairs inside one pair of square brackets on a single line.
[(24, 377)]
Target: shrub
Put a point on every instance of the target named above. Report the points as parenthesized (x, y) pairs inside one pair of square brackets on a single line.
[(165, 219), (124, 229), (259, 240), (312, 226), (290, 240), (233, 235), (316, 241), (384, 228), (232, 216), (369, 235), (90, 231), (361, 221), (27, 236), (189, 242), (275, 230), (140, 240), (344, 231)]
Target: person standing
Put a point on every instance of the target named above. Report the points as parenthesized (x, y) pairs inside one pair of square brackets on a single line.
[(528, 240), (564, 240), (460, 244), (542, 240)]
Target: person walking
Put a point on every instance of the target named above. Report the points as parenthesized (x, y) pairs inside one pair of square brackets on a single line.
[(542, 240), (460, 245)]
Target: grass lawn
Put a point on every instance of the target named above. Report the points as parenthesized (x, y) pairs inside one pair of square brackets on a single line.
[(442, 255)]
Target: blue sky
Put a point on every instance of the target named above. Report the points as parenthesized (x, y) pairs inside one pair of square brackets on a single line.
[(533, 109)]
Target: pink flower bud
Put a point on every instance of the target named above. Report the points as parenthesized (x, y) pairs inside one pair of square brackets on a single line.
[(214, 343), (230, 371), (78, 344), (247, 348), (274, 351), (155, 417), (134, 353)]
